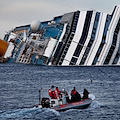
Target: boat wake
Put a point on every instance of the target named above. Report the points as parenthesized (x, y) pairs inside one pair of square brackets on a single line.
[(29, 113), (37, 113), (95, 104)]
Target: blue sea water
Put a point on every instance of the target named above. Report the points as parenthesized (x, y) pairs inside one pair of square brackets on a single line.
[(20, 83)]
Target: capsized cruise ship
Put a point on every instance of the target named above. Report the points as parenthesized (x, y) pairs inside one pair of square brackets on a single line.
[(76, 38)]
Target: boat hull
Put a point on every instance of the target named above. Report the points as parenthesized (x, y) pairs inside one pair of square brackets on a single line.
[(76, 105)]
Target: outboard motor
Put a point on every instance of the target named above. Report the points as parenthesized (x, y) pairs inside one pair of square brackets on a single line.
[(45, 102)]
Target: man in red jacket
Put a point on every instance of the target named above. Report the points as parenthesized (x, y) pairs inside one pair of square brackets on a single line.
[(54, 93), (58, 93), (51, 92), (73, 95)]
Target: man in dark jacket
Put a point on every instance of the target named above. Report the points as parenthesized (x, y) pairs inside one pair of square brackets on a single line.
[(85, 94), (75, 96)]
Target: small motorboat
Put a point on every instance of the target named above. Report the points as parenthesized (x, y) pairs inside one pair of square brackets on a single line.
[(62, 104)]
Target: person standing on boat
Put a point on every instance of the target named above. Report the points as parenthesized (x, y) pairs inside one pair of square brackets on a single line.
[(85, 94)]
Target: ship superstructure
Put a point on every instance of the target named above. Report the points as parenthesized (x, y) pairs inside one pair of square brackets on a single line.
[(76, 38)]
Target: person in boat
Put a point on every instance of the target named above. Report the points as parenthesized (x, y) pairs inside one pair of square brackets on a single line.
[(58, 93), (54, 93), (78, 96), (85, 94), (57, 90), (51, 92), (65, 94), (73, 95)]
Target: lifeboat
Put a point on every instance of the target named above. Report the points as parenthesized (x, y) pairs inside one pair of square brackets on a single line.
[(3, 47), (62, 104)]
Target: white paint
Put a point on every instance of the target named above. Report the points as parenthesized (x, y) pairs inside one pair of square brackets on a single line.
[(12, 36), (116, 49), (76, 37), (63, 32), (9, 50), (98, 39), (109, 36), (50, 47), (24, 36), (70, 53), (80, 26), (65, 62), (88, 38)]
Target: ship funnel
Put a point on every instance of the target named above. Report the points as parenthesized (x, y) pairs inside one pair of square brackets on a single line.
[(36, 26)]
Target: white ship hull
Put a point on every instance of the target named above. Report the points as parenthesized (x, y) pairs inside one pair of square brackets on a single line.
[(77, 38)]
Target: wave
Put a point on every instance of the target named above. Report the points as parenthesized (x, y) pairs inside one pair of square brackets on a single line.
[(95, 104), (32, 113), (17, 113)]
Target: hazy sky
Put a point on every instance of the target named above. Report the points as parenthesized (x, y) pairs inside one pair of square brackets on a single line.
[(15, 13)]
